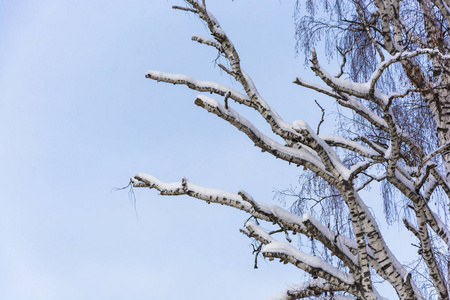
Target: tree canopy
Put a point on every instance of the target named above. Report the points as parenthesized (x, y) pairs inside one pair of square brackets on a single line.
[(393, 90)]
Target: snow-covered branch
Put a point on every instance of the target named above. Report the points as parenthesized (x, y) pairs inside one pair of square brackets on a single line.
[(311, 264), (198, 85), (208, 41), (333, 241), (429, 256), (338, 141), (289, 154), (307, 225), (385, 147), (264, 211), (314, 287), (259, 210), (441, 181), (398, 57)]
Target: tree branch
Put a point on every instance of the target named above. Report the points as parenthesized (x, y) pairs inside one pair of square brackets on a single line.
[(311, 264)]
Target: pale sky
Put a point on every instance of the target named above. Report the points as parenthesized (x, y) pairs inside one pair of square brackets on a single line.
[(78, 118)]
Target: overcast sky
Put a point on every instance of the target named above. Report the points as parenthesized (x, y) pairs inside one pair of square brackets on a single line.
[(78, 118)]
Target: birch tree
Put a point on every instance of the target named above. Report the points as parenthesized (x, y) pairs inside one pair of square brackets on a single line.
[(394, 69)]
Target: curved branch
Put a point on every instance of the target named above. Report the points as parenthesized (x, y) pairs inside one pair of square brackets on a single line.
[(208, 42), (289, 154), (198, 85), (310, 264), (278, 125), (337, 141), (313, 287)]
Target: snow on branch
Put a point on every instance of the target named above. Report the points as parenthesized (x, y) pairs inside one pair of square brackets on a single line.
[(313, 287), (439, 150), (289, 154), (433, 220), (271, 213), (348, 101), (441, 181), (338, 244), (384, 262), (328, 155), (328, 158), (208, 41), (398, 57), (311, 264), (337, 141), (279, 126), (424, 214), (422, 178), (265, 212), (429, 188), (360, 90), (339, 297), (244, 202), (428, 255), (198, 85), (302, 146), (366, 90), (440, 227), (316, 87)]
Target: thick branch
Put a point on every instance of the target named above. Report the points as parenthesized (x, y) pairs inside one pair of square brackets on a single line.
[(198, 85), (289, 154), (311, 264), (313, 287), (279, 126), (428, 255)]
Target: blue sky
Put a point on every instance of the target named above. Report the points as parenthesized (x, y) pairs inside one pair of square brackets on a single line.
[(78, 118)]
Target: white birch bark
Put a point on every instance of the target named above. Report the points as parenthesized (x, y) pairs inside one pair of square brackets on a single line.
[(366, 251)]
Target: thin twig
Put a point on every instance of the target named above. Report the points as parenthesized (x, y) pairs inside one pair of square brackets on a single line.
[(323, 115), (184, 8), (226, 99)]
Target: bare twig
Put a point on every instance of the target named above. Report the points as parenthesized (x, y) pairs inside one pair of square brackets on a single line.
[(323, 115), (184, 8), (226, 99)]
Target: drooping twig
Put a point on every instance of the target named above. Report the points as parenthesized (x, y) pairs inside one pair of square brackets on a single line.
[(226, 99)]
